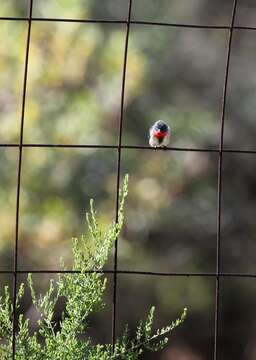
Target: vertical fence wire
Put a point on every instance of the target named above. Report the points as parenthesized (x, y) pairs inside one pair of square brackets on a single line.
[(29, 19), (16, 251), (114, 304), (220, 168)]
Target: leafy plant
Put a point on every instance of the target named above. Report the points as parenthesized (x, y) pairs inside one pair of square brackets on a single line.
[(83, 292)]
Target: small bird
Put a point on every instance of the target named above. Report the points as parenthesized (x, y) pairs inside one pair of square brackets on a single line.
[(159, 134)]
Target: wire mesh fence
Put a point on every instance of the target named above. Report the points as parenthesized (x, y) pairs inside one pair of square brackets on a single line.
[(21, 145)]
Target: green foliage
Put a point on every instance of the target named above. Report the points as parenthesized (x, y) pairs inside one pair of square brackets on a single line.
[(83, 293)]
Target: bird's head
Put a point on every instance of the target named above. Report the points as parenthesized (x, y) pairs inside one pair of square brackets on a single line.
[(160, 129)]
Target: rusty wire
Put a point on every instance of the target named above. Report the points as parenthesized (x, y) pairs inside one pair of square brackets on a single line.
[(220, 171), (220, 150)]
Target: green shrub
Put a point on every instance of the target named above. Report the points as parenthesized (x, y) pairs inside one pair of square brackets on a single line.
[(83, 294)]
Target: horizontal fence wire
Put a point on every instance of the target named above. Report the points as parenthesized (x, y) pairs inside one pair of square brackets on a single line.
[(132, 272), (128, 22), (135, 147), (131, 22)]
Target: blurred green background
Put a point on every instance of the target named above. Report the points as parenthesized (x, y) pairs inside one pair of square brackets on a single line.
[(73, 97)]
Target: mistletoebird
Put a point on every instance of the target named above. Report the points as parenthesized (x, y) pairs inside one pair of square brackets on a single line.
[(159, 134)]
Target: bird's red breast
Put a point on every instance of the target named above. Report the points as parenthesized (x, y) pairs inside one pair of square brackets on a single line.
[(160, 134)]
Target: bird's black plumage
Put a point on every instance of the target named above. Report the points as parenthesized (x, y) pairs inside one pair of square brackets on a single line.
[(161, 125)]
